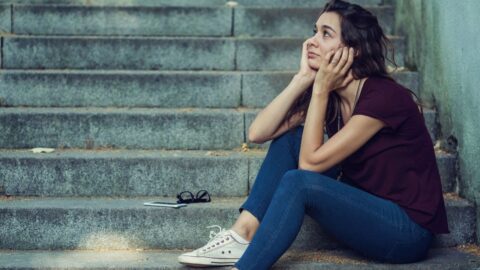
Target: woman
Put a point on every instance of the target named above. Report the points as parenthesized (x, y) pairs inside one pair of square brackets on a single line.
[(387, 203)]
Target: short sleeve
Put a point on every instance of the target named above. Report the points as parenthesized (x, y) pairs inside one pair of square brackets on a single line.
[(386, 103)]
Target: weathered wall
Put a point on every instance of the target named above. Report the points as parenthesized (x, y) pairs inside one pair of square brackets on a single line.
[(443, 45)]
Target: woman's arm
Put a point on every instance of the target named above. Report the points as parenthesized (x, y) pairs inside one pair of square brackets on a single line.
[(356, 132), (294, 121), (267, 124), (330, 76), (314, 154)]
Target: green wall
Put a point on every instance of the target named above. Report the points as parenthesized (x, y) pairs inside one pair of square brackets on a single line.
[(443, 38)]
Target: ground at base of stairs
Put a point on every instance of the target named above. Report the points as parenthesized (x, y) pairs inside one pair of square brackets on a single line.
[(438, 259)]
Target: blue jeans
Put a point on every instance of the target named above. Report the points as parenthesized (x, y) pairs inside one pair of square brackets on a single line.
[(282, 194)]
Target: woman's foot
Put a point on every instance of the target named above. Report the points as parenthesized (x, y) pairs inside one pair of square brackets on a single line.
[(224, 248), (244, 233)]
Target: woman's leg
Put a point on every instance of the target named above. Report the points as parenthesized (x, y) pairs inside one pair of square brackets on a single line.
[(374, 227), (282, 156)]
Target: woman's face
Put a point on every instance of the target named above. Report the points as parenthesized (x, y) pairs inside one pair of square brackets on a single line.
[(327, 38)]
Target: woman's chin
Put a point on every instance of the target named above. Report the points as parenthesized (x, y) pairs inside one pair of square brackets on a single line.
[(312, 64), (314, 67)]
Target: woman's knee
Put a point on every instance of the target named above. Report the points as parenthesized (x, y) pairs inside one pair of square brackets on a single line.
[(284, 139), (305, 175), (293, 179)]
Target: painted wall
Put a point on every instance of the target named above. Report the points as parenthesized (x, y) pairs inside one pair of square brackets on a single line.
[(443, 38)]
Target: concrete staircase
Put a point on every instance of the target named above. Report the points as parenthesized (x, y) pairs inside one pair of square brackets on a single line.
[(142, 100)]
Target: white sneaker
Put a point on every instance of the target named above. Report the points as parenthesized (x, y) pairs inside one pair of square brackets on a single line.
[(224, 248)]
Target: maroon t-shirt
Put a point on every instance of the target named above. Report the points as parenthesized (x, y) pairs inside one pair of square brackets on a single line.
[(398, 163)]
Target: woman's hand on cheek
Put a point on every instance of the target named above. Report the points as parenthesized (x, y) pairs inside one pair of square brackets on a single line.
[(305, 70), (335, 73)]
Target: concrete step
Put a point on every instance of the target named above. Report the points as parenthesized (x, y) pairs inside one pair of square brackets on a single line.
[(445, 162), (272, 83), (137, 128), (99, 88), (27, 52), (437, 259), (125, 223), (130, 128), (76, 172), (282, 53), (173, 21), (154, 3), (164, 53), (300, 3), (293, 22), (122, 20), (5, 18), (428, 114)]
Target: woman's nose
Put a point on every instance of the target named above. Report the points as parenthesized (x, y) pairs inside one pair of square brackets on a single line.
[(312, 42)]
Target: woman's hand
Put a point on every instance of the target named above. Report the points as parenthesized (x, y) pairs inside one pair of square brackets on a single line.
[(306, 72), (335, 73)]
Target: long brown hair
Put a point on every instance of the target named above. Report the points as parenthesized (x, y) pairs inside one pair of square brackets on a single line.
[(360, 30)]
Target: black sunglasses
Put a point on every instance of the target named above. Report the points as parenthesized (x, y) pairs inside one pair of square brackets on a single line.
[(187, 197)]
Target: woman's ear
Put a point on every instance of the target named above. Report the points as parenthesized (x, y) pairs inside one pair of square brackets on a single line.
[(355, 53)]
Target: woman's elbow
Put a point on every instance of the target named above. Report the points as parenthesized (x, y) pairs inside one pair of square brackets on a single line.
[(309, 167), (303, 164), (306, 164), (252, 137)]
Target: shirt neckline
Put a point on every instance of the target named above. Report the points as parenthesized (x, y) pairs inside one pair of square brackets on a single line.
[(358, 100)]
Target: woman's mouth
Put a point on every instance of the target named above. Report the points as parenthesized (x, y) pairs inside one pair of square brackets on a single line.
[(312, 55)]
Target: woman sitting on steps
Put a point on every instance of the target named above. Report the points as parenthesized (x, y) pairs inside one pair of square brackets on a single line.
[(386, 202)]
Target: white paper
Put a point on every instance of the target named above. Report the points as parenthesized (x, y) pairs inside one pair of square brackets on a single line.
[(42, 150), (165, 204)]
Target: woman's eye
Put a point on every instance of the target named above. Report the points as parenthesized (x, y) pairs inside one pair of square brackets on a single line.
[(325, 32)]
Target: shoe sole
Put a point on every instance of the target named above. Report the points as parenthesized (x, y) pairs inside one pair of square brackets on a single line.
[(205, 262)]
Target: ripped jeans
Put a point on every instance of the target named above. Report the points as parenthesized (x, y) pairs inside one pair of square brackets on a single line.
[(282, 194)]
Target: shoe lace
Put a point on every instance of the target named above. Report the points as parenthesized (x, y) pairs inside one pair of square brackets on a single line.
[(216, 235)]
